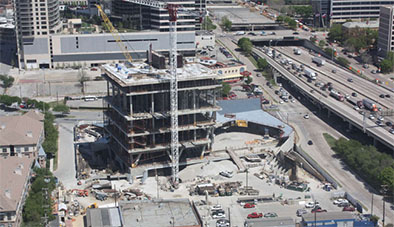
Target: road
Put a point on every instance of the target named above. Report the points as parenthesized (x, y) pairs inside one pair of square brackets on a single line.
[(66, 170), (321, 152)]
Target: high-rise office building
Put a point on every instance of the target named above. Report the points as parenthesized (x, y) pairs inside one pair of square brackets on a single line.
[(144, 17), (340, 11), (35, 20), (386, 30)]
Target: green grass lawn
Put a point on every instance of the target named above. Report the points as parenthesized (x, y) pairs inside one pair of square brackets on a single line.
[(329, 139)]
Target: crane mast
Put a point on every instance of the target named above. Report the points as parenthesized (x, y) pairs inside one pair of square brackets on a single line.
[(172, 11)]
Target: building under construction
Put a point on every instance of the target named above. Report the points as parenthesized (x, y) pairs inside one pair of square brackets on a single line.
[(138, 119)]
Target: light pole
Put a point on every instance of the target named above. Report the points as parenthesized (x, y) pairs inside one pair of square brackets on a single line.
[(384, 192), (247, 187)]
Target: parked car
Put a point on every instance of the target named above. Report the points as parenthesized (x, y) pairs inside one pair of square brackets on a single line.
[(270, 215), (310, 205), (222, 223), (319, 210), (350, 80), (216, 207), (354, 94), (338, 201), (255, 215), (218, 215), (249, 205), (387, 96), (306, 116), (348, 208), (300, 212), (310, 142), (388, 123), (226, 173)]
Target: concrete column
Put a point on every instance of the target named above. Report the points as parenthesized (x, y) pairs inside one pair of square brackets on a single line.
[(202, 152), (350, 126), (131, 105), (153, 104), (124, 102), (275, 74)]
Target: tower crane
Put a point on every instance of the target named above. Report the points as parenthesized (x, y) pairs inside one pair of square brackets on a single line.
[(114, 33), (173, 10)]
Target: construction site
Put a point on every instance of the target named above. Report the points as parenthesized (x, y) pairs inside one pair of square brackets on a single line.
[(138, 119)]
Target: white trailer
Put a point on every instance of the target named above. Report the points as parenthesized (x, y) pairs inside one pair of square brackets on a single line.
[(310, 74), (318, 61)]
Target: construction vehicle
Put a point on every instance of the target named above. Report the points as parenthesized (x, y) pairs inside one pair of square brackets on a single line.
[(81, 192)]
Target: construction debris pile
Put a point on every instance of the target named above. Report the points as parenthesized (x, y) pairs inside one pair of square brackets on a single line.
[(221, 189)]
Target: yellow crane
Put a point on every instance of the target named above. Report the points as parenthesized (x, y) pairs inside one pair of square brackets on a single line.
[(115, 34)]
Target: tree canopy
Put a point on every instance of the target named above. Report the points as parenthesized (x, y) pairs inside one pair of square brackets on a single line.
[(387, 65), (375, 167), (262, 63), (7, 81), (226, 88), (246, 45), (226, 23)]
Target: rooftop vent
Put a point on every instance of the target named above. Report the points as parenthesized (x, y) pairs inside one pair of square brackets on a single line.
[(29, 134), (7, 193)]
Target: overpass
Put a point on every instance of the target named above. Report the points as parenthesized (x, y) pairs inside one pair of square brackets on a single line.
[(333, 106)]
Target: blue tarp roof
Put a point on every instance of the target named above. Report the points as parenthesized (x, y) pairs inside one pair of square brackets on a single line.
[(249, 110)]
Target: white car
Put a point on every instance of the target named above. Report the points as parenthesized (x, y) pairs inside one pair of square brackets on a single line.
[(380, 118), (293, 100), (339, 201), (306, 116), (356, 108), (216, 207), (219, 215), (371, 117), (281, 102), (228, 174), (310, 205)]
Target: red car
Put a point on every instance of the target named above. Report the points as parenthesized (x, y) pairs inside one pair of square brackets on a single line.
[(249, 205), (318, 210), (255, 215), (349, 208)]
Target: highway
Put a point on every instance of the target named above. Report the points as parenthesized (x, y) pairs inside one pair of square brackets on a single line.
[(363, 88), (332, 104), (359, 85), (322, 153)]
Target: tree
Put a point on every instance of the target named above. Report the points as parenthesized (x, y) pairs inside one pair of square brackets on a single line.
[(292, 24), (61, 108), (82, 78), (280, 18), (322, 43), (387, 65), (226, 88), (7, 81), (262, 63), (329, 51), (336, 33), (355, 44), (226, 23), (366, 58), (249, 80), (208, 24), (343, 61), (386, 177), (246, 45)]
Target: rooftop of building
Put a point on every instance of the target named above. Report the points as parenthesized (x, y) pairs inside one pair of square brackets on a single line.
[(249, 110), (242, 15), (272, 222), (14, 171), (141, 73), (203, 32), (21, 130), (367, 24), (152, 213), (103, 217), (328, 216)]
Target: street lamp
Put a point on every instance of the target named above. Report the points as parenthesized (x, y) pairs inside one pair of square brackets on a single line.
[(384, 192)]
